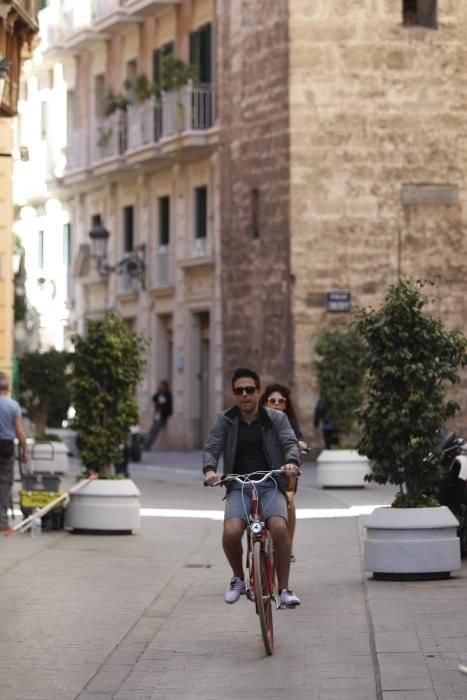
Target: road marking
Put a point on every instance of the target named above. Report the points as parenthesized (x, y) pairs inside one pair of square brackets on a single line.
[(301, 513)]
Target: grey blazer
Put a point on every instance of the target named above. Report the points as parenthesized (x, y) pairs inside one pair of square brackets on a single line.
[(279, 442)]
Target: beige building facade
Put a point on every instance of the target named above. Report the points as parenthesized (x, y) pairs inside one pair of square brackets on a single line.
[(378, 159), (319, 152), (343, 167), (146, 175)]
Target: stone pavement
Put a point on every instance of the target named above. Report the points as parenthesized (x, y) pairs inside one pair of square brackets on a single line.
[(142, 617)]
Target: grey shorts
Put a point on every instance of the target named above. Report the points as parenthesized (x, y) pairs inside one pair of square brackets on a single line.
[(271, 502)]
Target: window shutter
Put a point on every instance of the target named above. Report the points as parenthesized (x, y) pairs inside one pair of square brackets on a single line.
[(426, 13)]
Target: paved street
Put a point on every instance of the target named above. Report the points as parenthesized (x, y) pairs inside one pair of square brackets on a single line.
[(142, 617)]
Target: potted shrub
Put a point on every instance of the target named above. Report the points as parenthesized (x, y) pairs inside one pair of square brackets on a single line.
[(412, 360), (340, 367), (45, 397), (107, 364)]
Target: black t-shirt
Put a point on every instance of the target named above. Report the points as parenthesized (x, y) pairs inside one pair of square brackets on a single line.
[(250, 455)]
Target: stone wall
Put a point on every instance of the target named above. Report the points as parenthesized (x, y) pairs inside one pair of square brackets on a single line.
[(378, 160), (252, 65)]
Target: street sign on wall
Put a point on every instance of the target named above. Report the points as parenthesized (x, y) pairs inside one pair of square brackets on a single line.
[(338, 301)]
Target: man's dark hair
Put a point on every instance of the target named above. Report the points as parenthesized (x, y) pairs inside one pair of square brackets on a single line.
[(245, 372)]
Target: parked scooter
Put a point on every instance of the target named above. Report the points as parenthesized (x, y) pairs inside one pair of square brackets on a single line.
[(452, 491)]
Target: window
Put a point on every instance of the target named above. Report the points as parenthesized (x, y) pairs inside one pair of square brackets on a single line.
[(40, 249), (201, 212), (421, 13), (67, 244), (201, 52), (255, 213), (164, 221), (127, 229), (158, 60)]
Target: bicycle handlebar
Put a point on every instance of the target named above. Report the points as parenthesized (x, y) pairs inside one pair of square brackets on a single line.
[(246, 478)]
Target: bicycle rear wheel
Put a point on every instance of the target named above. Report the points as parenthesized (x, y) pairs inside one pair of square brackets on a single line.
[(263, 580)]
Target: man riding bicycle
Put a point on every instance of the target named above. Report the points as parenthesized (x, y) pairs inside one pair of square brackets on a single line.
[(253, 438)]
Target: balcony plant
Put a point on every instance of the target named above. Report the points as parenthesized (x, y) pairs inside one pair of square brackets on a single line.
[(141, 88), (107, 364), (115, 102), (340, 368), (412, 362), (176, 74)]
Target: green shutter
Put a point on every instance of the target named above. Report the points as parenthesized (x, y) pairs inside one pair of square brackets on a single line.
[(164, 221)]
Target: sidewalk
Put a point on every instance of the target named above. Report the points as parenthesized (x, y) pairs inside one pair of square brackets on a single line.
[(142, 617)]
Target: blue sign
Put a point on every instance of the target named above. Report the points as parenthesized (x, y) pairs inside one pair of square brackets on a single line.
[(338, 301)]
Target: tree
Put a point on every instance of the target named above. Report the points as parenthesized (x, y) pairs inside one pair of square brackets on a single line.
[(107, 364), (341, 373), (411, 360), (44, 391)]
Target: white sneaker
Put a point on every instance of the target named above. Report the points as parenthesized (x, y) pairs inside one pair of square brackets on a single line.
[(288, 598), (235, 590)]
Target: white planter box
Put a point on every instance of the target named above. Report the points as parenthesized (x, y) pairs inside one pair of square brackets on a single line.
[(106, 505), (49, 457), (341, 468), (411, 541)]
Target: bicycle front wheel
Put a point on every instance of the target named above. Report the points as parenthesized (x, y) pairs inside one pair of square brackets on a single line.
[(263, 593)]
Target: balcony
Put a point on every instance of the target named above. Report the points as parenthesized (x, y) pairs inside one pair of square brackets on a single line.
[(111, 15), (182, 116), (77, 21), (109, 139), (77, 152), (148, 7), (157, 129)]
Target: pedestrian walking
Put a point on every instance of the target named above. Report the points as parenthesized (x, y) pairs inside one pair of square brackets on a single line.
[(162, 411), (253, 438), (330, 431), (11, 426)]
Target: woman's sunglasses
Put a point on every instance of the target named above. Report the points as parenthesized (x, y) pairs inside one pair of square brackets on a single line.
[(238, 390), (278, 401)]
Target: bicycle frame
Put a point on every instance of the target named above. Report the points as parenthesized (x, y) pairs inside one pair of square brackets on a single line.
[(260, 587)]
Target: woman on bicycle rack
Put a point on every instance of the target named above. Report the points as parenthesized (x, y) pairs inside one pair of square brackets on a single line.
[(278, 397), (253, 438)]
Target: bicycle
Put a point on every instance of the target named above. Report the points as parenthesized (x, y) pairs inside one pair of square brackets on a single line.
[(261, 585)]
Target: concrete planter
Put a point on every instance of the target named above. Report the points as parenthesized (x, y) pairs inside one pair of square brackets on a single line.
[(411, 543), (49, 457), (105, 505), (341, 468)]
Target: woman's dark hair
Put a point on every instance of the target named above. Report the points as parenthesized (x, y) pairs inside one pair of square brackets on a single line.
[(245, 372), (285, 391)]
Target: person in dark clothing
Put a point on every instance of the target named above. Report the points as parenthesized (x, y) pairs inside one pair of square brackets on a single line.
[(162, 411), (330, 432), (250, 438)]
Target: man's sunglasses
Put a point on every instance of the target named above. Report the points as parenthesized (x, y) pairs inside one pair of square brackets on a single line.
[(238, 390), (278, 401)]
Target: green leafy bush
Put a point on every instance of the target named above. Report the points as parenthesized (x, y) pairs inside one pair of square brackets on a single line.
[(340, 370), (106, 366), (412, 360), (44, 390)]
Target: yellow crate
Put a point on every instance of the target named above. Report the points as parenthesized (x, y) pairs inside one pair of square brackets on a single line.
[(37, 499)]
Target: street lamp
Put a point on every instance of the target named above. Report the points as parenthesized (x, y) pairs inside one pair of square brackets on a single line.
[(133, 263)]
